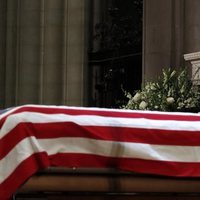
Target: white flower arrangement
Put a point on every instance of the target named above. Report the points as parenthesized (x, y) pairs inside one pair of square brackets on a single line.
[(173, 91)]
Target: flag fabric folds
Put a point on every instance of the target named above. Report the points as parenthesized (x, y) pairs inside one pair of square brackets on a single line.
[(35, 137)]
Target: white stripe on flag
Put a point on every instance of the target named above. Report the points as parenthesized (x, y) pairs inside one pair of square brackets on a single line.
[(30, 145), (121, 149), (20, 152), (93, 120)]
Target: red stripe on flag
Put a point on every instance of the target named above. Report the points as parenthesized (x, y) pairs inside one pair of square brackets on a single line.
[(10, 140), (121, 134), (25, 170), (175, 169), (105, 113)]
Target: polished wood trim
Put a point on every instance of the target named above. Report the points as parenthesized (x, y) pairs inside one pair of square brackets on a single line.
[(106, 181)]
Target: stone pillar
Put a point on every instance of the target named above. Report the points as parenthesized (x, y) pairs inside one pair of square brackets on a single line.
[(163, 36), (3, 12), (171, 29), (76, 52), (46, 56), (192, 26), (12, 33), (157, 37)]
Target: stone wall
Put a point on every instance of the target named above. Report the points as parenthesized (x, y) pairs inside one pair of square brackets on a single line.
[(43, 52)]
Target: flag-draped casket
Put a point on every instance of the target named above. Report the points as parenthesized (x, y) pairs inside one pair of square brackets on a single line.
[(35, 137)]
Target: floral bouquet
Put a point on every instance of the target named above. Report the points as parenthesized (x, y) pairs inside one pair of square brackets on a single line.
[(173, 91)]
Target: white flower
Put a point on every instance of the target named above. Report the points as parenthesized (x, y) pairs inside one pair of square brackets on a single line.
[(137, 97), (170, 100), (152, 87), (130, 102), (128, 95), (147, 87), (143, 105), (181, 104), (189, 100)]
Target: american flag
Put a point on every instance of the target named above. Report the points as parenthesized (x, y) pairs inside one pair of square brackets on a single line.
[(35, 137)]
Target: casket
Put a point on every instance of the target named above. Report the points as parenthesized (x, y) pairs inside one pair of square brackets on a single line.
[(76, 150)]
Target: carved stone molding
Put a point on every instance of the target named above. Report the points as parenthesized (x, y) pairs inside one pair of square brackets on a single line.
[(192, 56), (194, 59)]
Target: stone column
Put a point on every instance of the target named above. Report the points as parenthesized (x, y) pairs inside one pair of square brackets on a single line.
[(76, 52), (12, 53), (3, 12), (192, 26), (163, 36), (171, 29)]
